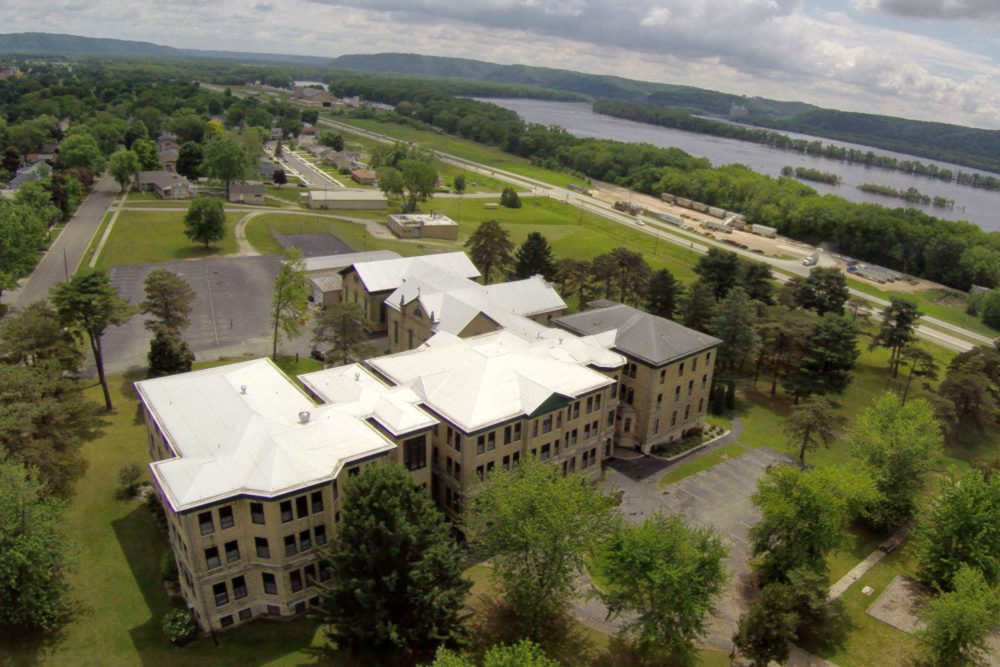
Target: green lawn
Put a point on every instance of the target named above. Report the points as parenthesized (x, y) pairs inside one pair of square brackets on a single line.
[(473, 182), (291, 194), (730, 451), (141, 237)]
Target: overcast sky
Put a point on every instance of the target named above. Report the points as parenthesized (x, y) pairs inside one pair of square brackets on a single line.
[(927, 59)]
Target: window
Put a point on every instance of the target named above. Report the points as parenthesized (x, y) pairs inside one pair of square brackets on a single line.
[(448, 433), (611, 417), (479, 473), (700, 402), (631, 396), (704, 379), (295, 578), (458, 471), (576, 410), (458, 503), (515, 458), (300, 607), (449, 466), (286, 511), (336, 491), (354, 472), (607, 447), (232, 551), (694, 364), (708, 358), (555, 448), (409, 339), (517, 431), (545, 451), (316, 498), (597, 402), (305, 540), (263, 550), (680, 369), (314, 601), (310, 574), (677, 393), (489, 468), (506, 435), (324, 572), (435, 457), (226, 517), (415, 453), (565, 468), (257, 513), (659, 400), (663, 375), (319, 535), (534, 429), (480, 444), (290, 548), (239, 588), (458, 442), (226, 621), (220, 593), (491, 441), (419, 315), (559, 419), (628, 425), (447, 496), (590, 405), (586, 431), (506, 462), (212, 557), (270, 585), (301, 507), (690, 387), (687, 411), (656, 426), (246, 614), (273, 610), (673, 419), (395, 333), (205, 523)]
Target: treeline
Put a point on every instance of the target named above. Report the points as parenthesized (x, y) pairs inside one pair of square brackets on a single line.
[(910, 194), (807, 174), (683, 120), (957, 254)]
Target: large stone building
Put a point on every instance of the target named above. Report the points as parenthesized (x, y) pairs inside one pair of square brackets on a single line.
[(663, 393), (249, 470)]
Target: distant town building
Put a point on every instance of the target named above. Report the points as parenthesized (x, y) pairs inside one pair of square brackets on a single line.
[(247, 193), (423, 225), (165, 184), (347, 198)]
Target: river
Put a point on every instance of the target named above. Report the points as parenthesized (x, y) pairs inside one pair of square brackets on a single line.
[(976, 205)]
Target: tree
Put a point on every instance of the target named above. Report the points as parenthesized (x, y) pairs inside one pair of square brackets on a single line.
[(226, 160), (536, 526), (189, 159), (899, 445), (959, 621), (735, 324), (22, 233), (573, 276), (720, 269), (767, 631), (148, 154), (971, 388), (34, 334), (698, 306), (136, 130), (290, 303), (824, 290), (827, 360), (534, 258), (168, 301), (812, 424), (188, 127), (662, 294), (458, 183), (922, 364), (631, 274), (663, 576), (11, 159), (757, 279), (419, 179), (89, 303), (490, 248), (960, 528), (279, 177), (45, 421), (123, 165), (205, 221), (989, 308), (390, 181), (34, 593), (168, 353), (396, 573), (803, 515), (81, 150), (604, 269), (509, 198), (340, 328), (524, 653), (899, 320)]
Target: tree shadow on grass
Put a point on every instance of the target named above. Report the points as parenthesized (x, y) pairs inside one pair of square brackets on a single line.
[(23, 648), (256, 643)]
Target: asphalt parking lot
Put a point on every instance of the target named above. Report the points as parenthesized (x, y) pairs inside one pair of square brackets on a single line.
[(229, 315), (314, 245)]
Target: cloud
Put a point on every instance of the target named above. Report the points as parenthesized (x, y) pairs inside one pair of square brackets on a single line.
[(976, 10)]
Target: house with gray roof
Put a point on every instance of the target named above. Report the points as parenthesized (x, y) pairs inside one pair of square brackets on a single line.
[(166, 184), (664, 388)]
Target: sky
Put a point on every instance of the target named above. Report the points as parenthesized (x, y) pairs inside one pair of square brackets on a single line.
[(924, 59)]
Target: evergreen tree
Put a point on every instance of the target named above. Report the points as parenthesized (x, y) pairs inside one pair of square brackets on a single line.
[(758, 281), (720, 270), (189, 159), (828, 358), (899, 321), (490, 249), (662, 294), (812, 424), (824, 290), (698, 306), (534, 258), (34, 334), (168, 354), (396, 576), (509, 198), (168, 301), (340, 328)]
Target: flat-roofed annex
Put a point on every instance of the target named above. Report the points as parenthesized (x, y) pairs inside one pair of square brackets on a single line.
[(247, 429)]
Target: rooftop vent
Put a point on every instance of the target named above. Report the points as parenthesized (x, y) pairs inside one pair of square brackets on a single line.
[(304, 417), (243, 389), (357, 377)]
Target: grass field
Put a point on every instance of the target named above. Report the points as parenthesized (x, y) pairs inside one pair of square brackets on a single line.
[(141, 237), (705, 462)]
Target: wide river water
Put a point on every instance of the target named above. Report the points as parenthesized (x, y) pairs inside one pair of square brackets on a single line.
[(978, 206)]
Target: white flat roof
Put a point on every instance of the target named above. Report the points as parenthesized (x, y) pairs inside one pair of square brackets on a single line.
[(346, 193), (423, 219), (236, 430), (329, 262), (481, 381), (389, 274)]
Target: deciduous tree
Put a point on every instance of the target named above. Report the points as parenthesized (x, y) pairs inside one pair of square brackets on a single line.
[(340, 329), (123, 165), (290, 301), (205, 221), (419, 179), (89, 304), (959, 621), (189, 159), (509, 198), (21, 236), (81, 150), (34, 334), (458, 183), (536, 526), (396, 574), (226, 160)]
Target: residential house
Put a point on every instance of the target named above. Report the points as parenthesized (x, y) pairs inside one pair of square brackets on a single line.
[(369, 283), (166, 184), (168, 158), (663, 393), (363, 176), (25, 174), (249, 471), (247, 193)]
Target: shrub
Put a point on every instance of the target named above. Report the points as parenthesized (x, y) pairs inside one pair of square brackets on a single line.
[(128, 478), (509, 198), (178, 626), (168, 566)]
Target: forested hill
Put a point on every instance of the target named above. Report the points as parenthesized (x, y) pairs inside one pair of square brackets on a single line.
[(940, 141), (44, 43)]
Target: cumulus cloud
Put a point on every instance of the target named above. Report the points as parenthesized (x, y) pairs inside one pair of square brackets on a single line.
[(771, 48), (976, 10)]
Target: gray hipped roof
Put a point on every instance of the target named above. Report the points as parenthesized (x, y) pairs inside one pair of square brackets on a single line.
[(653, 339)]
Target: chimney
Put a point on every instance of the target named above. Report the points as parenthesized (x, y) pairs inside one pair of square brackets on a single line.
[(304, 417)]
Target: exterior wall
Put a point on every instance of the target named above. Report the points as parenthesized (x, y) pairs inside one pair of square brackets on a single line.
[(660, 404), (575, 436), (408, 330), (375, 204), (546, 317), (449, 232), (354, 291)]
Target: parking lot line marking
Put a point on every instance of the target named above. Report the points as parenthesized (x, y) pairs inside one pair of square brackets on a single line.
[(211, 306)]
